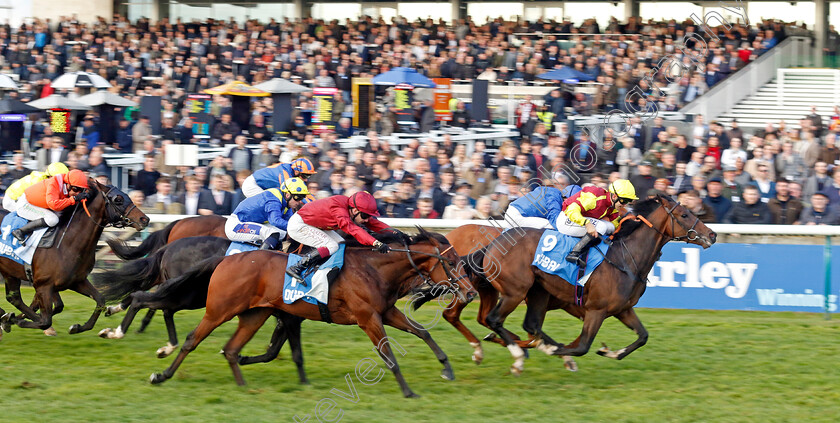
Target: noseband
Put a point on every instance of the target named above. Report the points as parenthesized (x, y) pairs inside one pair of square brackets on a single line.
[(120, 221), (427, 279)]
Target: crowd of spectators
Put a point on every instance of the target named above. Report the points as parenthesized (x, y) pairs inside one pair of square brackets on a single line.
[(777, 175)]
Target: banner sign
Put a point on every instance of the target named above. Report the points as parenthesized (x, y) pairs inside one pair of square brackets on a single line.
[(442, 95), (324, 99), (402, 104), (13, 118), (198, 109), (742, 277), (60, 121)]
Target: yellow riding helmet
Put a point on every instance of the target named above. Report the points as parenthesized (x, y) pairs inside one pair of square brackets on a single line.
[(56, 169), (294, 186), (623, 189)]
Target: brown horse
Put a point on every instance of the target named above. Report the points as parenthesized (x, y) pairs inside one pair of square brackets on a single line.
[(68, 263), (364, 294), (613, 289), (211, 225)]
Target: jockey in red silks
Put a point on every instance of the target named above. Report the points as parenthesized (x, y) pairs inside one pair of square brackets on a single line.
[(315, 224), (39, 202)]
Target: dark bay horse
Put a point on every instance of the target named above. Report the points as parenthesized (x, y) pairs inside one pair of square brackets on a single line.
[(67, 264), (129, 282), (613, 289), (211, 225), (247, 286)]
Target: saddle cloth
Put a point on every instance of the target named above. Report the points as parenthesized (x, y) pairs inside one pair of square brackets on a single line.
[(239, 247), (10, 247), (317, 282), (550, 257)]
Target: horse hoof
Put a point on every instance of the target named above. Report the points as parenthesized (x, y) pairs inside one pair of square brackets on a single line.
[(104, 333), (412, 395), (490, 336), (477, 358), (447, 374), (569, 363), (516, 371), (50, 331), (75, 328), (157, 378), (6, 322), (165, 350)]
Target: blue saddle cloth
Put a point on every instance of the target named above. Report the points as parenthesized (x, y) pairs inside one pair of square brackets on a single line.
[(316, 287), (550, 256), (10, 247), (239, 247)]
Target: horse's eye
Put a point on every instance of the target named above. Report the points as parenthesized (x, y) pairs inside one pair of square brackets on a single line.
[(685, 215), (118, 200)]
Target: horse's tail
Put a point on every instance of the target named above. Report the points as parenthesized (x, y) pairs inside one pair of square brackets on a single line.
[(134, 275), (190, 280), (153, 243), (472, 265)]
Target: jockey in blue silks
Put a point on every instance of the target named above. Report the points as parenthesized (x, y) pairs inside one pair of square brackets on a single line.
[(263, 218), (538, 209), (274, 175)]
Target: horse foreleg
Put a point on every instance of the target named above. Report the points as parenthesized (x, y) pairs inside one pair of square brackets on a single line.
[(167, 349), (496, 320), (123, 305), (376, 332), (487, 297), (122, 329), (146, 320), (85, 288), (278, 338), (631, 320), (592, 321), (249, 323), (395, 318)]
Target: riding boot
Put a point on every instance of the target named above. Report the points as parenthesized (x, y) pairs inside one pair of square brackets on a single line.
[(296, 269), (270, 243), (21, 233), (574, 255)]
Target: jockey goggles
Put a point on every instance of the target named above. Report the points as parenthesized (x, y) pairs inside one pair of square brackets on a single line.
[(75, 188)]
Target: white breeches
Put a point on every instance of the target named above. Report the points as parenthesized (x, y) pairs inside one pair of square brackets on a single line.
[(9, 204), (250, 187), (30, 212), (567, 227), (513, 215), (312, 236), (254, 233)]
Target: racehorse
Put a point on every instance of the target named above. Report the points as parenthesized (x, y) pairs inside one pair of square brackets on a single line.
[(364, 294), (128, 283), (67, 265), (210, 225), (613, 288)]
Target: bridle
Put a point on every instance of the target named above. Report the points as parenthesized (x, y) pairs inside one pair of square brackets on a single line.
[(691, 234), (111, 210), (442, 261)]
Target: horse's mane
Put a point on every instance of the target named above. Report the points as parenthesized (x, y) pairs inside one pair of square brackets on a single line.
[(640, 208), (395, 237)]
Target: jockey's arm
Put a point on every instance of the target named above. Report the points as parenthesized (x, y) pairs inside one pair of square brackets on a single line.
[(276, 218), (55, 200), (575, 214), (377, 225), (355, 230)]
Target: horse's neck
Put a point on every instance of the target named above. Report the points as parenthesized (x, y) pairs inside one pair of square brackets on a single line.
[(642, 253), (398, 275), (87, 230)]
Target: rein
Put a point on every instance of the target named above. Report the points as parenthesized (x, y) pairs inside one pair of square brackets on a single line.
[(123, 220), (427, 280)]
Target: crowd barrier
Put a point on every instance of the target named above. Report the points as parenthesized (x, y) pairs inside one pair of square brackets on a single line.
[(767, 273)]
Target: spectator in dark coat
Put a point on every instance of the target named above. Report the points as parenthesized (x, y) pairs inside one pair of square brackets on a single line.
[(146, 178), (216, 200), (715, 198), (749, 211), (124, 142), (226, 130), (784, 209), (821, 212)]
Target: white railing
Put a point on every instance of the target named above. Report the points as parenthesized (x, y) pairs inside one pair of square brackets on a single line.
[(781, 74), (793, 51), (448, 224)]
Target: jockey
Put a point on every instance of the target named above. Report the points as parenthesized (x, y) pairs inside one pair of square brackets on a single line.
[(264, 217), (16, 189), (314, 225), (39, 202), (274, 175), (538, 209), (592, 212)]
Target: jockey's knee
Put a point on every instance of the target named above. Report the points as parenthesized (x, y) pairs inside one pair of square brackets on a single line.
[(51, 219)]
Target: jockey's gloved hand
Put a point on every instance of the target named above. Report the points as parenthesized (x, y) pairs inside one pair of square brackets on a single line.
[(381, 247), (81, 196), (401, 234)]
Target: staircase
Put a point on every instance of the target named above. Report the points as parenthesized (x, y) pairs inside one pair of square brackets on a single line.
[(789, 97)]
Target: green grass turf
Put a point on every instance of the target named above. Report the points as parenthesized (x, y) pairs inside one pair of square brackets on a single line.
[(705, 366)]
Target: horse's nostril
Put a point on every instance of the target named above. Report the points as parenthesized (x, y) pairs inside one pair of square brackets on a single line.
[(144, 220)]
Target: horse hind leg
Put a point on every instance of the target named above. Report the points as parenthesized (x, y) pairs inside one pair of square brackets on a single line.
[(631, 320), (122, 306), (292, 325), (592, 321), (249, 323), (278, 338), (170, 347), (202, 331), (146, 320), (487, 299)]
